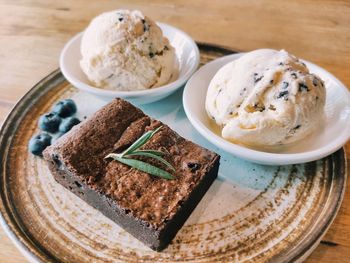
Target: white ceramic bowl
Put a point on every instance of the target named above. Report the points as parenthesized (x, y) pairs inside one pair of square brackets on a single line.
[(186, 51), (334, 133)]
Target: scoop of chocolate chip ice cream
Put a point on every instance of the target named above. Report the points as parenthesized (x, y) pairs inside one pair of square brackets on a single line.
[(125, 50), (265, 98)]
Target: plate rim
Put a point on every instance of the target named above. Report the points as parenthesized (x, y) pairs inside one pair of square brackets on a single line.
[(31, 251), (25, 245), (313, 242)]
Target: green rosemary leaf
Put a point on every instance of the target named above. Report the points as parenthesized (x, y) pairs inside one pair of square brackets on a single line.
[(134, 150), (151, 155), (159, 153), (156, 130), (141, 141), (142, 166), (138, 143), (113, 156)]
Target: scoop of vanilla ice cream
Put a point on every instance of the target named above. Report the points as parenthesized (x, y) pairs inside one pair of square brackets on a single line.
[(125, 50), (266, 98)]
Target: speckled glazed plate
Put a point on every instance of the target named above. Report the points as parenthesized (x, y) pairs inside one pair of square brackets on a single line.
[(251, 213)]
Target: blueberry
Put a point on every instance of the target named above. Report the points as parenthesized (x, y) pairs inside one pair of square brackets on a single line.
[(38, 143), (36, 147), (65, 108), (68, 124), (44, 137), (49, 122)]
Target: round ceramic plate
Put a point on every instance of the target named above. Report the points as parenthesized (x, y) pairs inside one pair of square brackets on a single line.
[(251, 213)]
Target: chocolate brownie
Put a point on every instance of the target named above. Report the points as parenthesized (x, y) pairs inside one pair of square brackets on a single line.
[(151, 208)]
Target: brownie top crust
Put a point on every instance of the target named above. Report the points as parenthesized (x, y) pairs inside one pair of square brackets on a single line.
[(114, 128)]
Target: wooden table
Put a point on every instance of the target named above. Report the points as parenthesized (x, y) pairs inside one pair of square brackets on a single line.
[(32, 34)]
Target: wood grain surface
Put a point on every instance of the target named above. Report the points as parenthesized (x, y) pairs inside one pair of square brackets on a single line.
[(32, 33)]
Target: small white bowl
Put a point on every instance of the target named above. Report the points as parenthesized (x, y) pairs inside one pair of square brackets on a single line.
[(334, 133), (186, 51)]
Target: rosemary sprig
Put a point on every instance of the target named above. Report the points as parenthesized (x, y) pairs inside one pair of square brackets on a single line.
[(142, 166), (134, 150)]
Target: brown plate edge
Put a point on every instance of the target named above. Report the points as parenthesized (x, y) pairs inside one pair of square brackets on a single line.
[(9, 219), (338, 172), (33, 250)]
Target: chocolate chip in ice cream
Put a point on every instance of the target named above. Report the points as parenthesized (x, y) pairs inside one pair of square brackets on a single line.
[(145, 25), (120, 16), (272, 107), (285, 85), (303, 87), (259, 107), (283, 94), (256, 78)]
